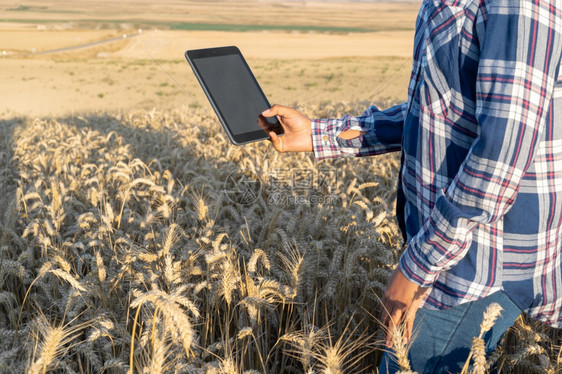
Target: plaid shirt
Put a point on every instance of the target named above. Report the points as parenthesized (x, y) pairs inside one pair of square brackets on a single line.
[(480, 185)]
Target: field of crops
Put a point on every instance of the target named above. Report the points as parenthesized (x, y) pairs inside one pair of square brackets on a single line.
[(144, 242)]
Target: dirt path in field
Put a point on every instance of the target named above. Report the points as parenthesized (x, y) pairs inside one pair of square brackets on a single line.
[(86, 45)]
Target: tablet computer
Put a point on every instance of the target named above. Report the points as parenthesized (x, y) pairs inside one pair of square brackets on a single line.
[(233, 91)]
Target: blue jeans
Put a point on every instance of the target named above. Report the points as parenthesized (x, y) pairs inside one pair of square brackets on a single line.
[(444, 337)]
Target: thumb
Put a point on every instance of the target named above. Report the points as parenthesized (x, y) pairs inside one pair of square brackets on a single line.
[(277, 110)]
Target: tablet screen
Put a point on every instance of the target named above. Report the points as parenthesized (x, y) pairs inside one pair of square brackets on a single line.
[(233, 91)]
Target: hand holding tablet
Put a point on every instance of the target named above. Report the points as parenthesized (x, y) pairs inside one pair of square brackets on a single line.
[(234, 93), (297, 136)]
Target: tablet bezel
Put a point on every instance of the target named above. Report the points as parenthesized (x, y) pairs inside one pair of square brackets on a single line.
[(237, 139)]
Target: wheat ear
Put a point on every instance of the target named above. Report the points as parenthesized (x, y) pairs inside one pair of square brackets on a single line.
[(492, 312)]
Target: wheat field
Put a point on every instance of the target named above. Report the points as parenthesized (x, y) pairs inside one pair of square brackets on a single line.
[(121, 251), (139, 240)]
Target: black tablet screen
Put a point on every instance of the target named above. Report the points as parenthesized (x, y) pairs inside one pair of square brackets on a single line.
[(234, 90)]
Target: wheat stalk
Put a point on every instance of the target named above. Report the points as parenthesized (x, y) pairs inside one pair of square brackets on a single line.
[(492, 312)]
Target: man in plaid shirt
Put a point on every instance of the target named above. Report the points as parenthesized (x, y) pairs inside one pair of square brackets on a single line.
[(480, 184)]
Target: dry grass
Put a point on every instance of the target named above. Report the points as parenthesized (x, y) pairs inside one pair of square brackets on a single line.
[(72, 83)]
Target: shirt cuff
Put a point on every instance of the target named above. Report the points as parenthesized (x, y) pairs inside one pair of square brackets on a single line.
[(415, 271), (441, 243), (324, 142)]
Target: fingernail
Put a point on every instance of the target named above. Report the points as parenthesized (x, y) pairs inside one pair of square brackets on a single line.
[(265, 111)]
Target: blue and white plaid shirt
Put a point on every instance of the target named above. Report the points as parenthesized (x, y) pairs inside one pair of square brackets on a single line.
[(480, 184)]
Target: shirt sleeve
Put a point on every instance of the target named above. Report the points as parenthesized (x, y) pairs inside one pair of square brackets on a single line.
[(520, 49), (383, 133)]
